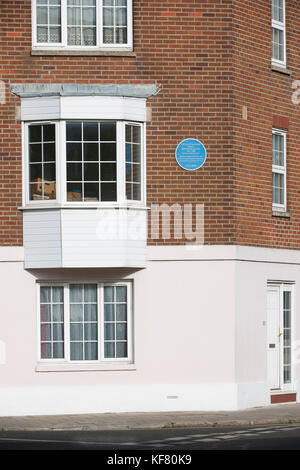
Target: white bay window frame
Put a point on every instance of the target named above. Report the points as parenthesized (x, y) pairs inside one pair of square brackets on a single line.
[(61, 166), (280, 27), (100, 45), (280, 170), (66, 360)]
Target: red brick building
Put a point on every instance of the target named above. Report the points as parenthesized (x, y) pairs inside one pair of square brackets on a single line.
[(97, 100)]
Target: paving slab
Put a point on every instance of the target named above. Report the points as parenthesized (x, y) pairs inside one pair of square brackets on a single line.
[(271, 415)]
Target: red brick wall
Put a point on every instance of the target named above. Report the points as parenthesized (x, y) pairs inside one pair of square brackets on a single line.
[(268, 97), (186, 47)]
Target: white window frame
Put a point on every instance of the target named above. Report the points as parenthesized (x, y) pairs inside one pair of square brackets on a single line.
[(98, 47), (26, 186), (282, 27), (61, 181), (101, 359), (280, 170)]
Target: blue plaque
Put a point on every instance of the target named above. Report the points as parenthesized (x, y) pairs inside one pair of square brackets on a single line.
[(190, 154)]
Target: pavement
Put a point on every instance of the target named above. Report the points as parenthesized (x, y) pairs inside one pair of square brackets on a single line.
[(270, 415)]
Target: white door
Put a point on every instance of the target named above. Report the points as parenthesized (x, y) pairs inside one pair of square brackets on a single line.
[(279, 321)]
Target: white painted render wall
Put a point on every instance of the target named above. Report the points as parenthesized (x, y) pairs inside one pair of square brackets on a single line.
[(199, 338)]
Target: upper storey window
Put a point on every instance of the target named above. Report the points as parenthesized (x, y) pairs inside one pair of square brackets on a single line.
[(82, 24), (278, 32)]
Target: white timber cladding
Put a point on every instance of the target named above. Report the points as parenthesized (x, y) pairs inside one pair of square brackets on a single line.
[(42, 238), (84, 238), (83, 107)]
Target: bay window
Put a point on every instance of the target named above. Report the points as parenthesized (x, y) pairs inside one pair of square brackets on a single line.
[(85, 322), (82, 24), (90, 161)]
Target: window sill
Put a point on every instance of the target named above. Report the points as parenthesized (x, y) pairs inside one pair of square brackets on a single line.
[(48, 52), (61, 367), (133, 206), (285, 214), (280, 69)]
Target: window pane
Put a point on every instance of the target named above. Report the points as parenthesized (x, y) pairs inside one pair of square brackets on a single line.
[(42, 15), (42, 173), (35, 133), (90, 131), (91, 172), (89, 36), (90, 175), (76, 351), (121, 17), (76, 312), (277, 10), (109, 312), (90, 331), (49, 152), (58, 312), (89, 16), (45, 294), (42, 34), (76, 331), (46, 351), (90, 312), (45, 311), (83, 321), (121, 36), (115, 321), (90, 292), (277, 44), (108, 294), (76, 293), (108, 132), (115, 22), (58, 331), (74, 152), (74, 172), (58, 350), (121, 349), (91, 351), (54, 15), (108, 172), (108, 152), (108, 192), (74, 131), (74, 192), (121, 331), (35, 153), (278, 188), (46, 333), (91, 192), (121, 294), (109, 350), (49, 172), (48, 18), (51, 322), (121, 312), (55, 34), (109, 331)]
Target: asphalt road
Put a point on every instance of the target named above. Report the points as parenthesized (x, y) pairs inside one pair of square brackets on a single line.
[(251, 438)]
